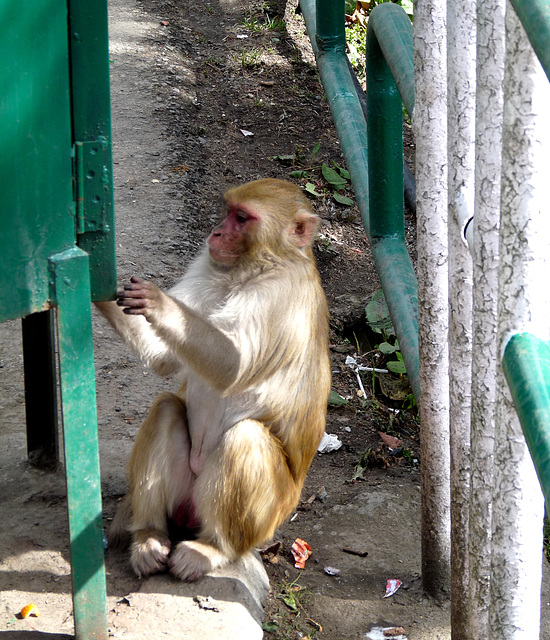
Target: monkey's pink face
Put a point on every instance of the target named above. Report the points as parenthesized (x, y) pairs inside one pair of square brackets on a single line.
[(227, 242)]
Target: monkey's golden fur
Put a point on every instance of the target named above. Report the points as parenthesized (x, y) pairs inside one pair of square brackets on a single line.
[(249, 337)]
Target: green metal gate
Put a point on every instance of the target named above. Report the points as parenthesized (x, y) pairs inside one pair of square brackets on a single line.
[(57, 246)]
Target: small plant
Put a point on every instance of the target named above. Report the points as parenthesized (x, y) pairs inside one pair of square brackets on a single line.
[(269, 24), (252, 24), (378, 319), (275, 24), (250, 57), (293, 595)]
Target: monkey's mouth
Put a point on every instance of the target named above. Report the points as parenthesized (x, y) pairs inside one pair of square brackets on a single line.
[(219, 255)]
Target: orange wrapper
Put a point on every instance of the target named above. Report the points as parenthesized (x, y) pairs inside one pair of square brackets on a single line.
[(301, 552), (30, 610)]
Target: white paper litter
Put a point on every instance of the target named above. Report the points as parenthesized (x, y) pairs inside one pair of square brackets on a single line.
[(329, 443)]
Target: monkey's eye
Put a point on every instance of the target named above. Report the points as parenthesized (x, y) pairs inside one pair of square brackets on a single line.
[(241, 217)]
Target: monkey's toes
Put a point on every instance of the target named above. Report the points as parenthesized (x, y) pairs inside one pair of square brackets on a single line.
[(150, 554), (188, 563)]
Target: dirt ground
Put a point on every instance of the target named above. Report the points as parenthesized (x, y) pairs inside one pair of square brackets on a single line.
[(204, 97)]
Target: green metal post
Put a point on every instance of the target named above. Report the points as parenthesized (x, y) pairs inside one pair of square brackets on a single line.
[(535, 18), (331, 31), (385, 132), (91, 120), (389, 33), (71, 293), (526, 364)]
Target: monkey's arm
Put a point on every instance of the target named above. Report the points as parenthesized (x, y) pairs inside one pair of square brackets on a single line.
[(192, 338), (140, 335)]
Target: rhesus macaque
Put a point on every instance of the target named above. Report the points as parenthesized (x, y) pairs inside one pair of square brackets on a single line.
[(247, 329)]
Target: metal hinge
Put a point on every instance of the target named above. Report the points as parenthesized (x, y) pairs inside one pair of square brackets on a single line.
[(92, 185)]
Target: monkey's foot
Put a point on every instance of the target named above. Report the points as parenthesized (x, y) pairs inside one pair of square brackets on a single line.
[(149, 552), (192, 559)]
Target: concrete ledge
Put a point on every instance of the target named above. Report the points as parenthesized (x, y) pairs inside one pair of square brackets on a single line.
[(166, 608)]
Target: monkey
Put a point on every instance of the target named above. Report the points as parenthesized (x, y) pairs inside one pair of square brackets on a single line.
[(246, 330)]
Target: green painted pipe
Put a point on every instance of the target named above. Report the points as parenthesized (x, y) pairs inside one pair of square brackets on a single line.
[(535, 18), (394, 34), (341, 96), (385, 139), (399, 284), (526, 364), (325, 24), (331, 31)]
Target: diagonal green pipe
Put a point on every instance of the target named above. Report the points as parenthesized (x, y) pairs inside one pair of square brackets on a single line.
[(526, 364), (535, 18), (381, 205), (325, 26)]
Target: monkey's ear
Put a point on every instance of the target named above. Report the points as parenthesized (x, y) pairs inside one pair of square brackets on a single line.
[(304, 229)]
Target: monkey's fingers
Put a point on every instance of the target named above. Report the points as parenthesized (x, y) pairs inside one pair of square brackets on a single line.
[(129, 311), (137, 303), (132, 291)]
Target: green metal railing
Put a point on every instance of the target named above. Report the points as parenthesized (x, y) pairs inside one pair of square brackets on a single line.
[(535, 18), (526, 364), (376, 167), (374, 154)]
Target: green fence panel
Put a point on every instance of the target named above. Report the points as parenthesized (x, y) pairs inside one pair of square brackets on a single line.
[(37, 209)]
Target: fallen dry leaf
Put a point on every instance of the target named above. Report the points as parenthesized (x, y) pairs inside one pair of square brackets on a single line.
[(390, 441)]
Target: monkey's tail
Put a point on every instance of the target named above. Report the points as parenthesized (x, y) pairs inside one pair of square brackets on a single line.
[(118, 536)]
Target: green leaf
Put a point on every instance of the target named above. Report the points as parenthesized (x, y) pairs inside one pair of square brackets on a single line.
[(378, 316), (343, 172), (270, 626), (310, 188), (396, 366), (387, 348), (315, 150), (336, 399), (358, 472), (342, 199), (298, 174), (332, 177), (290, 601)]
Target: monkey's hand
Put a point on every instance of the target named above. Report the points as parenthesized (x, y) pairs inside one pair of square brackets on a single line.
[(140, 297)]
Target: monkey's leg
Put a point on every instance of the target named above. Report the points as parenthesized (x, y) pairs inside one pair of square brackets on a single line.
[(160, 480), (245, 491)]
